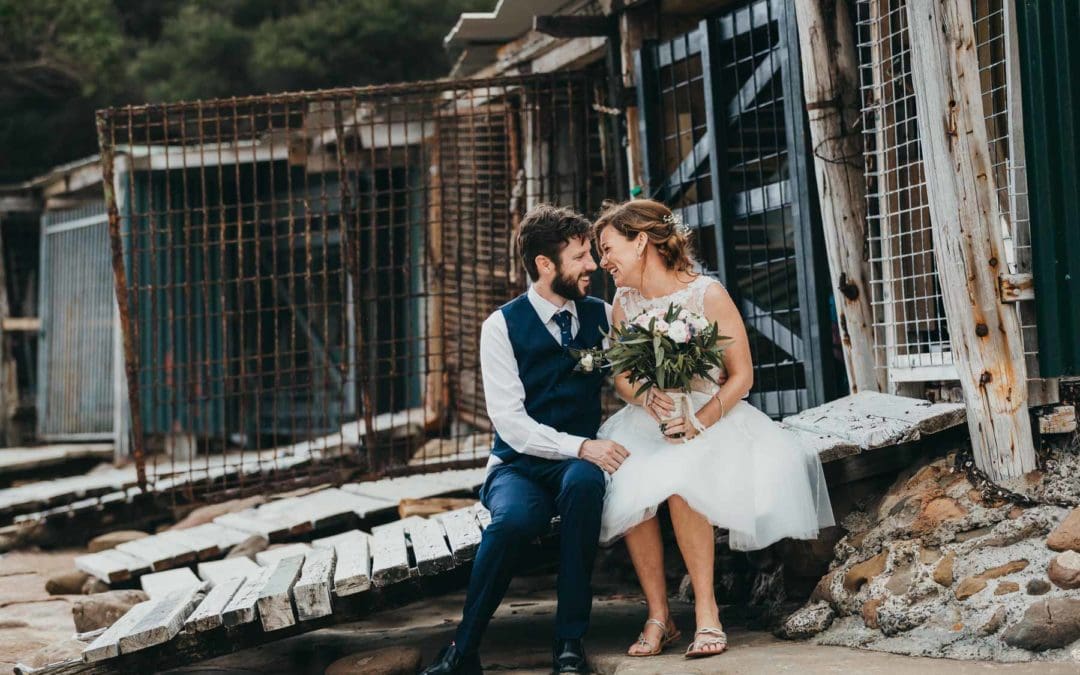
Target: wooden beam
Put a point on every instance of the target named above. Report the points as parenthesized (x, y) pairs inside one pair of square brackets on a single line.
[(564, 26), (13, 324), (831, 88), (1061, 419), (1016, 287), (968, 246)]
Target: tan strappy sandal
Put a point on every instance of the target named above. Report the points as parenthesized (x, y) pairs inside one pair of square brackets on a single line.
[(697, 648), (667, 639)]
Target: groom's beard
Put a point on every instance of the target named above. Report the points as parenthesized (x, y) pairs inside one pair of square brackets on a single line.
[(566, 287)]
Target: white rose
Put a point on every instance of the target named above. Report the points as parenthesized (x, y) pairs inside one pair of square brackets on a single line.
[(661, 326), (586, 363), (678, 331), (699, 322), (642, 320)]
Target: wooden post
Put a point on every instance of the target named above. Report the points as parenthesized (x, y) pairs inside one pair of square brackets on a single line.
[(831, 88), (636, 24), (9, 383), (968, 245)]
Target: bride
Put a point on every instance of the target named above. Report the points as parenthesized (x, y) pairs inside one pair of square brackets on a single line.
[(743, 472)]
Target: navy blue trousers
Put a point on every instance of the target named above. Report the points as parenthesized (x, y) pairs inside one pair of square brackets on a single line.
[(522, 496)]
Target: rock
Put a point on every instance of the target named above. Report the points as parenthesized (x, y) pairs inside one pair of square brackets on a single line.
[(388, 661), (102, 609), (66, 583), (249, 547), (900, 580), (943, 573), (1064, 570), (1038, 587), (936, 512), (994, 623), (1066, 536), (823, 590), (870, 612), (113, 539), (1002, 570), (64, 650), (94, 585), (1006, 587), (206, 514), (1047, 624), (808, 621), (929, 556), (863, 572), (969, 587)]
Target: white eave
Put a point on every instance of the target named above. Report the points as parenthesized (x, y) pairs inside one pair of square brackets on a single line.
[(510, 19)]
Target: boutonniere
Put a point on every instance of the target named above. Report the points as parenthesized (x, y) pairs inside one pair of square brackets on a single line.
[(588, 360)]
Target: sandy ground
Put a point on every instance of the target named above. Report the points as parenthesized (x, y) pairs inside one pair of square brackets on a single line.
[(518, 640)]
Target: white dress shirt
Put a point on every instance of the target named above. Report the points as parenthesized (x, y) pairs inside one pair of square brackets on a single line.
[(505, 394)]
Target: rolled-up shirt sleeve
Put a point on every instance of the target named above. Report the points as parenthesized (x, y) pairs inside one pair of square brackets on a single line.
[(505, 396)]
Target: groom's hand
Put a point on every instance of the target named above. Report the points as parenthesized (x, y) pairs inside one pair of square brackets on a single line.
[(608, 455)]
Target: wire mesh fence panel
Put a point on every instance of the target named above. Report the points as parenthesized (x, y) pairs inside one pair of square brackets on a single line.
[(303, 276), (911, 330)]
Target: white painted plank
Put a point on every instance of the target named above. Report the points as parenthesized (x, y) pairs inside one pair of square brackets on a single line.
[(429, 547), (161, 552), (249, 521), (352, 570), (241, 608), (275, 598), (107, 645), (483, 516), (111, 565), (224, 537), (205, 548), (271, 556), (389, 557), (163, 621), (160, 584), (207, 615), (462, 532), (218, 571), (313, 590), (828, 447)]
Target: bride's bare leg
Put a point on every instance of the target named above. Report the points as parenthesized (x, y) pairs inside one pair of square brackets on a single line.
[(694, 533), (647, 553)]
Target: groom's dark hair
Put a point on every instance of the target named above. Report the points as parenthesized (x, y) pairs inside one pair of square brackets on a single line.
[(545, 230)]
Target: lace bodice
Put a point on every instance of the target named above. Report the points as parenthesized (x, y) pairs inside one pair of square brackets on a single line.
[(690, 298)]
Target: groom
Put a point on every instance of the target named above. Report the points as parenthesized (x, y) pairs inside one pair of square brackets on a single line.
[(545, 460)]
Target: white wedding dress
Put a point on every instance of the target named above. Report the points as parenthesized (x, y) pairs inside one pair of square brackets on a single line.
[(745, 473)]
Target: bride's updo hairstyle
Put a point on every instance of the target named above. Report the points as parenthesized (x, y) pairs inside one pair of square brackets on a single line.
[(656, 221)]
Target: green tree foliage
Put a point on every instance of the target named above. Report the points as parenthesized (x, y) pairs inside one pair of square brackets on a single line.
[(62, 59)]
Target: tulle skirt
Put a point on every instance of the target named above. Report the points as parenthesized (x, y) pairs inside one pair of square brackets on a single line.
[(745, 473)]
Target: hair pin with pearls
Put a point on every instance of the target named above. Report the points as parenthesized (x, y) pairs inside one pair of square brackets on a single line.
[(675, 222)]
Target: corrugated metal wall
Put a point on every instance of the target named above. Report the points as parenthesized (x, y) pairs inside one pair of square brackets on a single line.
[(1050, 65)]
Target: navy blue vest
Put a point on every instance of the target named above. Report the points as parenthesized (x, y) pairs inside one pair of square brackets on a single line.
[(555, 395)]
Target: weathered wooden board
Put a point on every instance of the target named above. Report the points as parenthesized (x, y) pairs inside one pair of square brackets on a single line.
[(241, 608), (111, 565), (483, 516), (217, 571), (352, 570), (207, 615), (107, 645), (312, 592), (389, 557), (462, 532), (224, 537), (401, 525), (163, 621), (275, 597), (160, 584), (419, 486), (271, 556), (249, 521), (161, 553), (204, 547), (429, 546), (829, 448), (871, 420), (24, 459)]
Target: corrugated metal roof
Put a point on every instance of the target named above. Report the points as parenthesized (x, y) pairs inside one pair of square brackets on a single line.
[(509, 19), (1050, 67)]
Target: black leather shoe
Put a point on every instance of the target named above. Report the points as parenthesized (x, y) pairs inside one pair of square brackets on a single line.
[(452, 662), (569, 657)]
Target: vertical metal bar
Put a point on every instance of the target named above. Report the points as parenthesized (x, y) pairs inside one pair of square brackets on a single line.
[(106, 138), (716, 125)]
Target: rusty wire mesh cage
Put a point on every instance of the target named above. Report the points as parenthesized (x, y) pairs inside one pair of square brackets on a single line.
[(302, 277)]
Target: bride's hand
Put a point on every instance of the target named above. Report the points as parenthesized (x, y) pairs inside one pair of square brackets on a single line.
[(658, 404), (678, 430)]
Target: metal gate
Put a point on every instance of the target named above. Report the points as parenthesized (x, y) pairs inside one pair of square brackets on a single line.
[(305, 275), (76, 397), (726, 148)]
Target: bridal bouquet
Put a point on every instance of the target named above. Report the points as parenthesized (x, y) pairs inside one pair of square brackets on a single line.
[(660, 348)]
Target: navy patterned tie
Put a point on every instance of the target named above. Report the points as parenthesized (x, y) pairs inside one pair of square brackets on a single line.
[(563, 319)]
